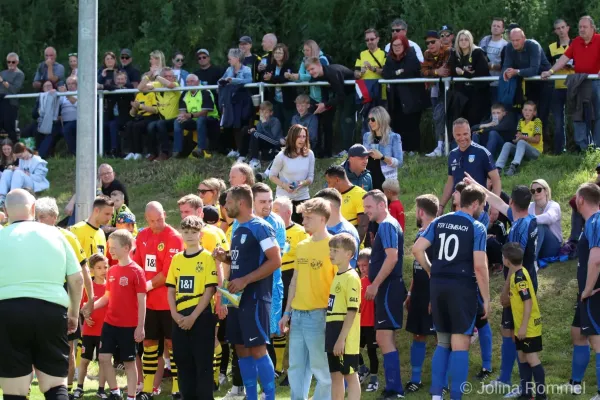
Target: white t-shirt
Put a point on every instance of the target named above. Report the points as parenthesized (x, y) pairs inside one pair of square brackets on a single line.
[(493, 50), (413, 45), (290, 170)]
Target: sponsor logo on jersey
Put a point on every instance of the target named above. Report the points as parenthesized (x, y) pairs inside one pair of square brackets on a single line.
[(161, 246), (471, 158), (123, 281)]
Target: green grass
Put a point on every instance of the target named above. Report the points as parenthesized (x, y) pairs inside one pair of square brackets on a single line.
[(167, 181)]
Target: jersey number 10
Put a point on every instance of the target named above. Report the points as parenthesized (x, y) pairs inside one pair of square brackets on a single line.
[(444, 253)]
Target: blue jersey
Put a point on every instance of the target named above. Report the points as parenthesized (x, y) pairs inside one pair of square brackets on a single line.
[(420, 287), (249, 243), (476, 160), (277, 291), (590, 238), (524, 232), (389, 236), (454, 237), (484, 218), (346, 227)]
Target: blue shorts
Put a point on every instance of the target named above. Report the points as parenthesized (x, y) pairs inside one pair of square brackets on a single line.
[(389, 305), (249, 324), (453, 307), (276, 302)]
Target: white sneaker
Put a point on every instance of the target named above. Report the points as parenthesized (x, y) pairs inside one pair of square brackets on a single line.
[(129, 156), (497, 387), (241, 159), (233, 154), (513, 394), (437, 152), (254, 163), (222, 379), (596, 397), (236, 392), (137, 156), (262, 396)]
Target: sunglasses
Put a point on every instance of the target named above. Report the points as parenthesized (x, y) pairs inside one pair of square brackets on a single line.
[(179, 60), (370, 40), (11, 62), (203, 191), (72, 54), (428, 42), (398, 30), (445, 35), (371, 119), (536, 190), (125, 57), (202, 57)]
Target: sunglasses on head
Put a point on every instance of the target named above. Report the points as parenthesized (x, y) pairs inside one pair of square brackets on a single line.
[(72, 54), (203, 191), (398, 30), (125, 57), (536, 190), (428, 42), (371, 119)]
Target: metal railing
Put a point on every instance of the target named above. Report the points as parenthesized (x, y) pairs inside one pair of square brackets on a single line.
[(262, 85)]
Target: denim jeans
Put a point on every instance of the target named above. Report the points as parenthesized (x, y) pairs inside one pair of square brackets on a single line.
[(582, 128), (559, 99), (163, 127), (494, 143), (522, 151), (307, 355), (547, 245), (199, 125), (70, 133), (17, 179)]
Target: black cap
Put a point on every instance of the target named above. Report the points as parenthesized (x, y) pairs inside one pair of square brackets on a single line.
[(211, 214), (358, 150), (512, 26), (432, 34), (246, 39), (598, 168), (446, 28)]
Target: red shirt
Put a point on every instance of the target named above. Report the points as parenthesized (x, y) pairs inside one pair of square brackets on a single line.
[(123, 285), (585, 56), (367, 307), (154, 252), (98, 315), (397, 210)]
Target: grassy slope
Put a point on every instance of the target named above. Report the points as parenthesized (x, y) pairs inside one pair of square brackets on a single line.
[(166, 182)]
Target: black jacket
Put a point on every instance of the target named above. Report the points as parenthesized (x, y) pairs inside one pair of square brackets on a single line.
[(412, 97), (335, 94), (579, 97), (507, 127), (289, 93)]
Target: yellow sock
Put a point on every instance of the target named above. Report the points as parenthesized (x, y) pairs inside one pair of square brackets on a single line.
[(149, 367), (279, 343), (78, 353), (217, 362), (175, 387)]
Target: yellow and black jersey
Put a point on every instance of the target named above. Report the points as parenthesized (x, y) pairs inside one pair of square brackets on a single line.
[(521, 290), (74, 242), (294, 234), (344, 296), (190, 275), (92, 239), (213, 237), (352, 204), (531, 129), (555, 51), (229, 232)]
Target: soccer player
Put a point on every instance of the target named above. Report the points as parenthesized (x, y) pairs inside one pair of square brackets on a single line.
[(367, 326), (125, 297), (458, 268), (387, 287), (191, 283), (253, 258), (418, 320), (307, 302), (527, 317), (155, 247), (294, 234), (88, 232), (92, 327), (342, 331), (337, 223)]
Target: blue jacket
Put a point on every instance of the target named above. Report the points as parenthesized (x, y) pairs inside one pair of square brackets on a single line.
[(315, 91), (363, 180), (243, 76), (235, 105)]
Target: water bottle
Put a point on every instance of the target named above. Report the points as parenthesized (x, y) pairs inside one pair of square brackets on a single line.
[(293, 185), (495, 119)]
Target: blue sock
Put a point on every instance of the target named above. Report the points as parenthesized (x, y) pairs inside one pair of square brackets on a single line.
[(581, 358), (249, 376), (266, 373), (417, 356), (525, 375), (485, 342), (540, 379), (509, 355), (391, 366), (439, 367), (459, 372), (598, 370)]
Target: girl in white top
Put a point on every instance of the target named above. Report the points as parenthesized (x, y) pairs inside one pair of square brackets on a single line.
[(548, 215), (293, 168)]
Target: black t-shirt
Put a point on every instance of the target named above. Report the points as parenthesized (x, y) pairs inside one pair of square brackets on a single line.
[(115, 185), (209, 76), (133, 74), (13, 164)]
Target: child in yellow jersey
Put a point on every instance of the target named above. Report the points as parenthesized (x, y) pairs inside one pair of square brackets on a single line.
[(191, 282), (528, 143), (342, 329), (528, 322)]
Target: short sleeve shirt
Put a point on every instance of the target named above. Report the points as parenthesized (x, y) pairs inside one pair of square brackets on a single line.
[(190, 275), (476, 160), (352, 204)]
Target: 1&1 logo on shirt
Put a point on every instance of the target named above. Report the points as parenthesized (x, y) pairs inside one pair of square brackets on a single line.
[(186, 284), (150, 263)]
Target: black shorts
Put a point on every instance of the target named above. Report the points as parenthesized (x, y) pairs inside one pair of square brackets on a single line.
[(529, 345), (367, 337), (418, 318), (221, 329), (250, 323), (33, 332), (507, 319), (577, 316), (88, 345), (590, 316), (389, 305), (75, 335), (346, 365), (114, 337), (159, 324), (453, 307)]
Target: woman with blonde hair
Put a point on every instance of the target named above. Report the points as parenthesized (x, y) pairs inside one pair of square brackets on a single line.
[(157, 63), (548, 216), (470, 61), (385, 147), (210, 189), (310, 49), (293, 169)]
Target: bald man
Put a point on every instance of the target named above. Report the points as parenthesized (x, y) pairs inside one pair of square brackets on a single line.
[(155, 248), (49, 70), (269, 42), (35, 310)]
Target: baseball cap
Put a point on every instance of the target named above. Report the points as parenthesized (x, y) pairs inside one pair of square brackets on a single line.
[(203, 51), (446, 28), (246, 39), (358, 150), (125, 217), (127, 52), (598, 168), (432, 34), (211, 215)]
